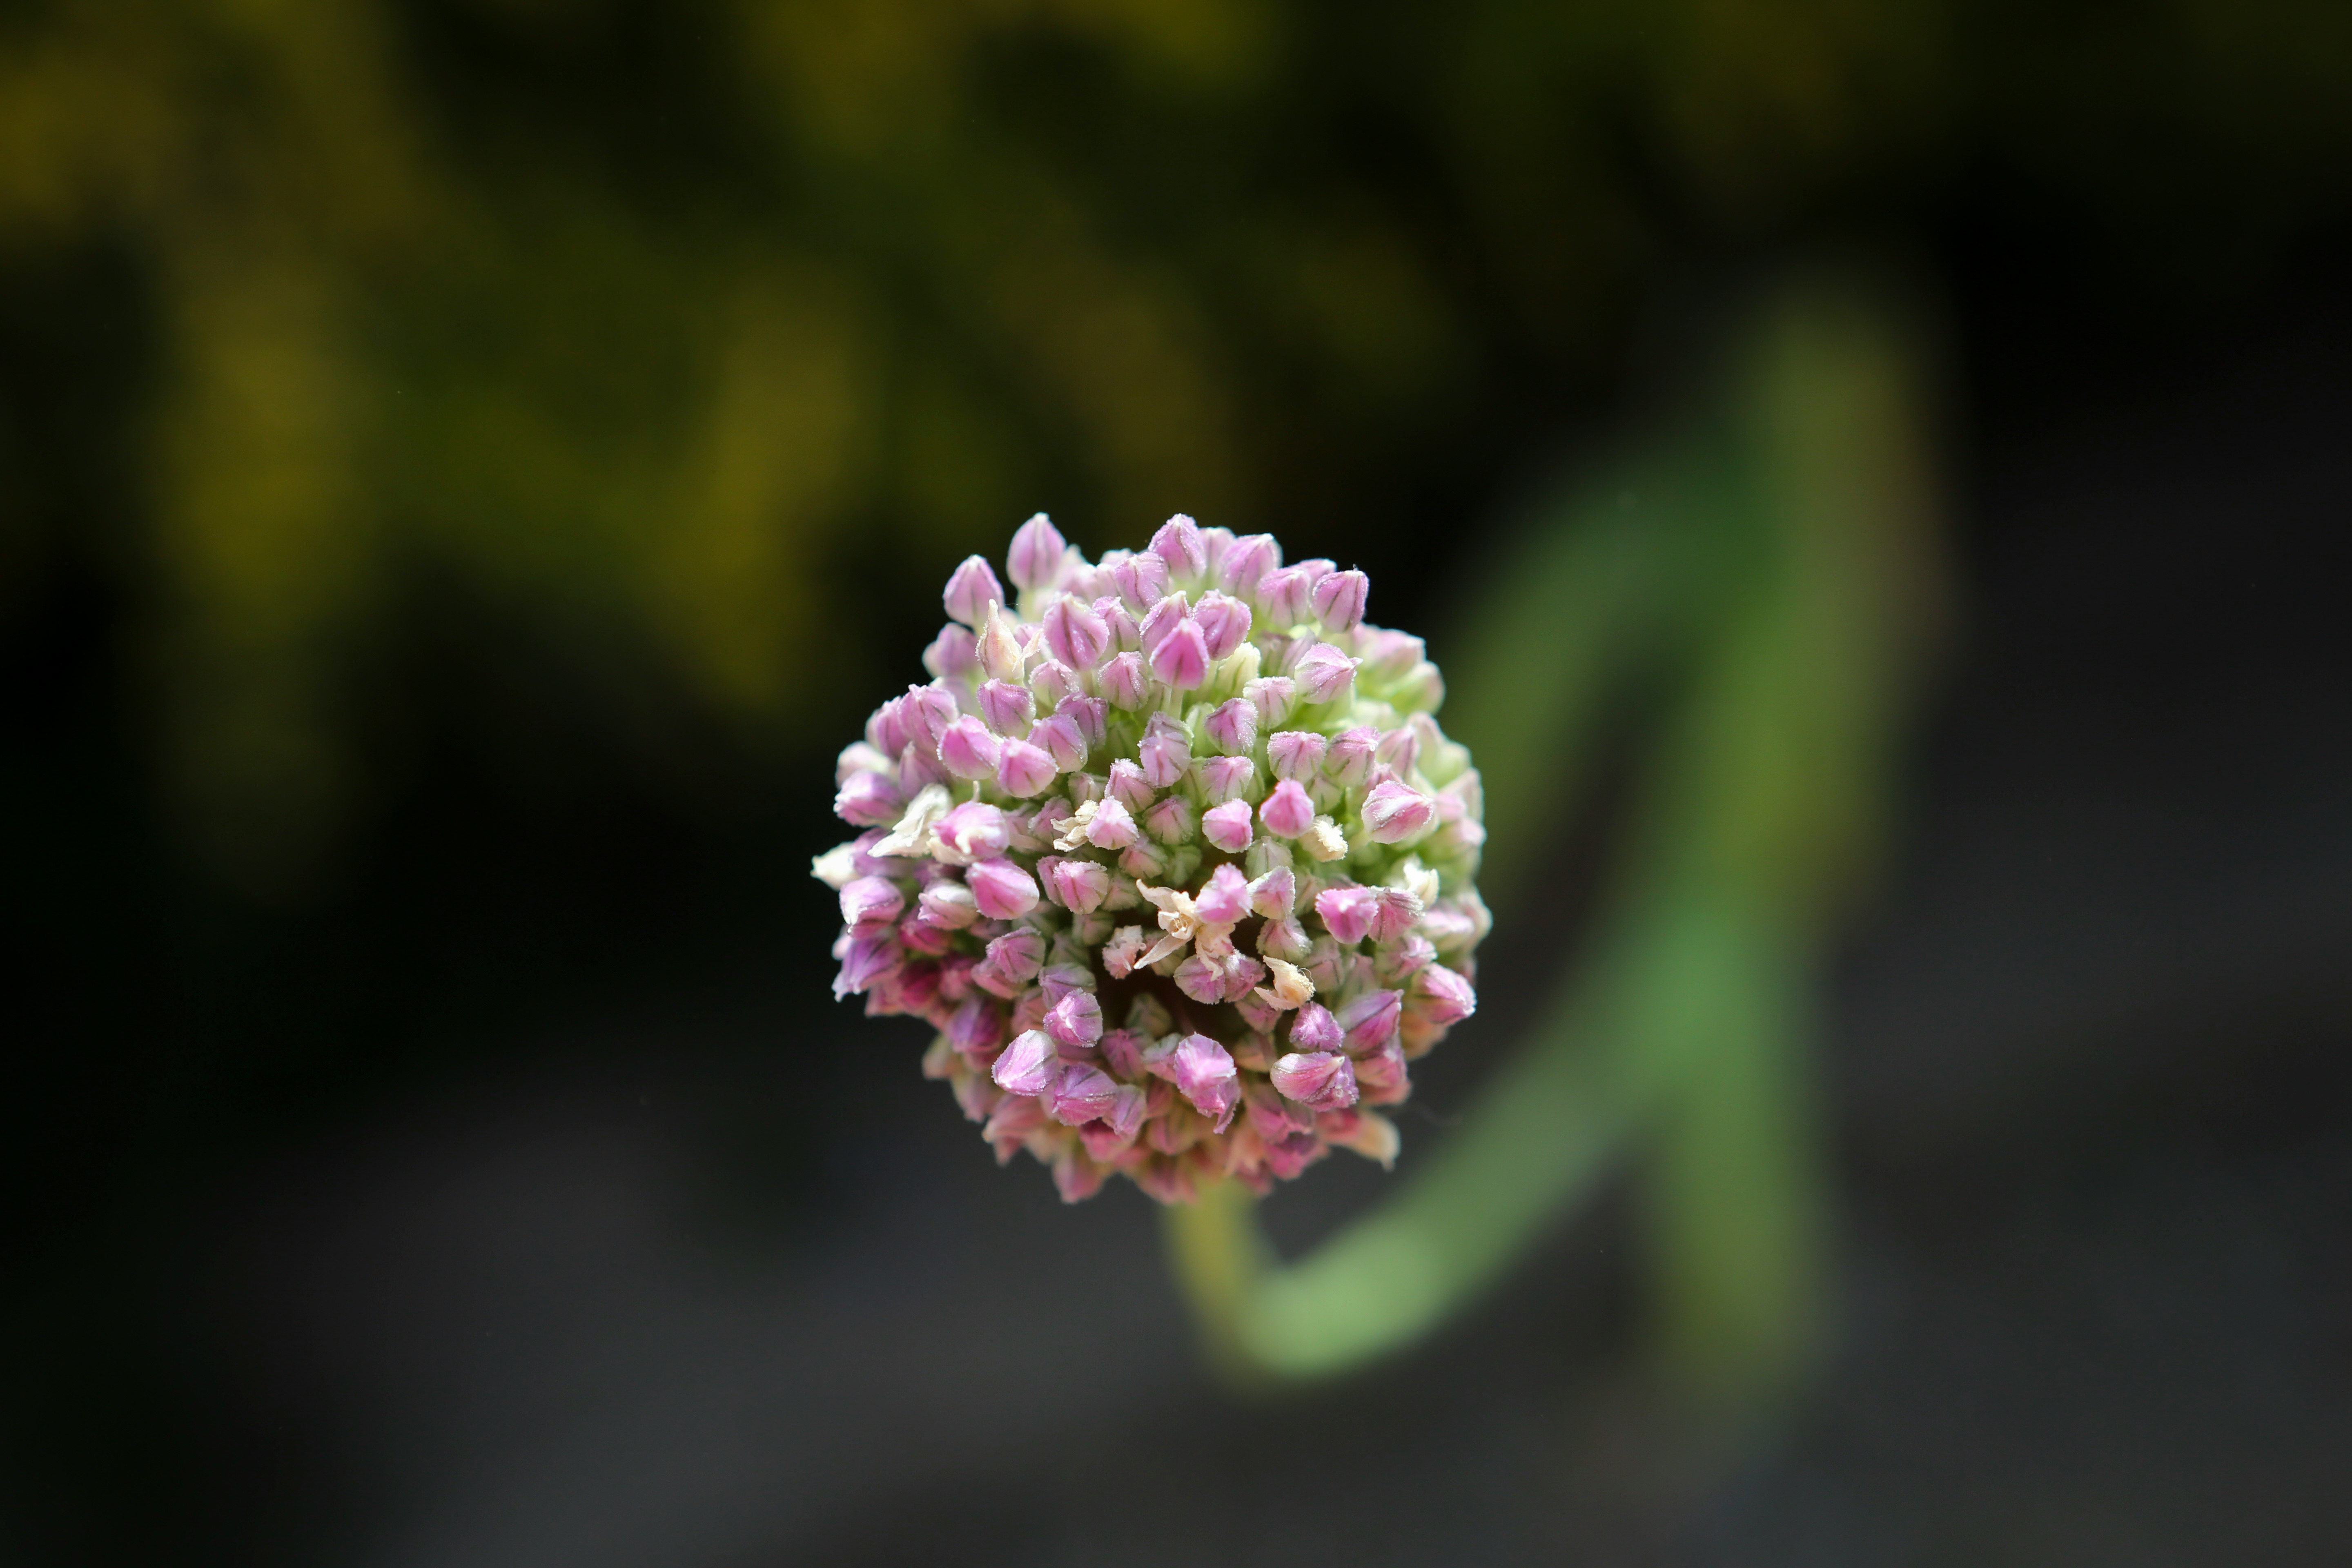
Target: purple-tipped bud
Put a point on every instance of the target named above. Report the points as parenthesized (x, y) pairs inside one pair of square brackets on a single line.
[(953, 655), (1125, 636), (1275, 698), (1122, 1054), (1324, 674), (1394, 812), (1232, 727), (1179, 543), (1024, 770), (929, 710), (1113, 827), (971, 588), (1296, 754), (1018, 954), (1081, 1093), (969, 751), (871, 901), (1036, 553), (1008, 709), (1339, 600), (1395, 916), (1320, 1081), (1205, 1075), (976, 1029), (1091, 714), (1128, 786), (1182, 659), (1442, 997), (1225, 623), (1078, 637), (1224, 898), (1076, 1019), (1351, 760), (870, 800), (1077, 885), (1312, 1029), (1288, 811), (1053, 683), (1165, 618), (1226, 779), (1371, 1020), (1246, 562), (1228, 825), (1003, 891), (1275, 894), (1030, 1065), (1165, 752), (1126, 682), (1141, 580), (886, 731), (1381, 1075), (1283, 596), (1061, 740), (1170, 821), (1347, 912), (949, 905)]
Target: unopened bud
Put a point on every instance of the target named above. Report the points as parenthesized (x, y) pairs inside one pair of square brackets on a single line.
[(972, 831), (971, 588), (1246, 562), (1005, 891), (1127, 683), (953, 655), (1320, 1081), (1030, 1065), (1224, 898), (1205, 1075), (1165, 752), (1075, 1019), (1179, 544), (1275, 698), (998, 646), (1350, 762), (1026, 770), (1036, 553), (1182, 659), (949, 905), (1395, 812), (1347, 912), (1339, 600), (1225, 623), (1009, 708), (1371, 1020), (1232, 727), (1170, 821), (969, 750), (1324, 674), (1228, 825)]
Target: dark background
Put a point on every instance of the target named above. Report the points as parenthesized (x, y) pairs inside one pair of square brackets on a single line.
[(461, 1161)]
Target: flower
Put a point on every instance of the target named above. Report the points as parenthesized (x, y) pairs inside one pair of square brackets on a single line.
[(1174, 856)]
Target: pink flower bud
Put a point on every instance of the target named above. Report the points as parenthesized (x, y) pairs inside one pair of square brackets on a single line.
[(1052, 684), (1205, 1075), (929, 710), (1312, 1029), (949, 905), (886, 731), (1246, 562), (1339, 600), (1224, 624), (1346, 912), (1017, 954), (1224, 898), (1125, 636), (870, 800), (1390, 655), (1113, 827), (871, 901), (1285, 938), (1122, 1054), (1182, 659), (1226, 779), (1127, 683), (1165, 752), (1395, 916), (1060, 739), (1275, 698), (976, 1029), (1381, 1075), (1078, 885), (1165, 618), (1371, 1019), (970, 590), (1350, 760), (1442, 996), (1399, 749), (953, 655), (1275, 895), (1232, 727), (1228, 825), (1077, 1177), (1296, 754), (1394, 812), (1288, 811), (1079, 637), (1320, 1081), (1283, 595), (1036, 553), (1091, 714), (969, 751), (1128, 786), (1323, 673), (1170, 821), (1026, 770), (1029, 1066), (1075, 1019), (1013, 1122), (1141, 580), (1005, 891), (1008, 709), (1179, 544), (999, 647), (870, 956)]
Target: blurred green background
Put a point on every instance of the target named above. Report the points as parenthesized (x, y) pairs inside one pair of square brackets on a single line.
[(465, 465)]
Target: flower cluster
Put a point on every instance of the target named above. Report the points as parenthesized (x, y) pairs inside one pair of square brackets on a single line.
[(1174, 856)]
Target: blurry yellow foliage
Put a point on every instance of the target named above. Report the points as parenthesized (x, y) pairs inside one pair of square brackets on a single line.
[(645, 355)]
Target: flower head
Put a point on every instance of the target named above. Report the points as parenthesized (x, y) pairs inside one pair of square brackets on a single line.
[(1172, 855)]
